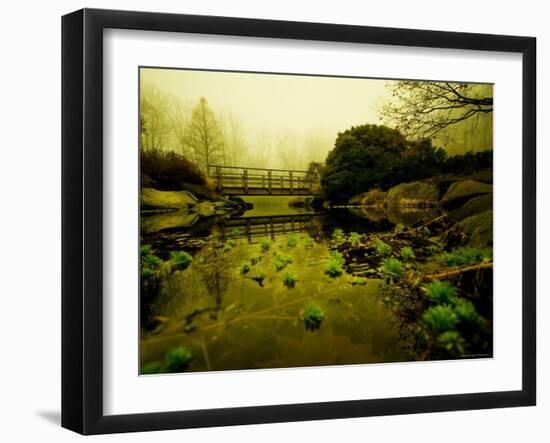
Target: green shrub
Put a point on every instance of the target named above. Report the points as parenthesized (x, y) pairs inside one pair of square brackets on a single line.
[(452, 342), (245, 267), (355, 239), (145, 250), (151, 261), (289, 279), (281, 262), (399, 227), (178, 359), (466, 256), (392, 267), (441, 292), (265, 245), (313, 316), (308, 242), (338, 235), (382, 248), (407, 253), (466, 311), (440, 318), (291, 240), (167, 170), (180, 260)]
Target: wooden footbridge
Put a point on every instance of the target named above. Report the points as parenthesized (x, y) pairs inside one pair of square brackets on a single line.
[(236, 180)]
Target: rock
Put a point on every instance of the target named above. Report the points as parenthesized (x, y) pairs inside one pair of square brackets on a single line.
[(374, 197), (475, 206), (154, 199), (476, 231), (306, 201), (460, 192), (167, 220), (414, 194)]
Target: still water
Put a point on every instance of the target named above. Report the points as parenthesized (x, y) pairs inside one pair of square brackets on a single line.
[(228, 317)]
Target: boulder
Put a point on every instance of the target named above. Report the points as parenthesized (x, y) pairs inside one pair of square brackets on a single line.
[(414, 194), (475, 206), (175, 200), (374, 197), (462, 191), (308, 201), (475, 231)]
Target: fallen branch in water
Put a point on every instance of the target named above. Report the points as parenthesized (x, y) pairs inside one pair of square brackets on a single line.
[(456, 272)]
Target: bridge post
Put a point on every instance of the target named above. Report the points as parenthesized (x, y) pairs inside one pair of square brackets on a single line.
[(290, 181), (219, 179), (269, 181), (245, 180)]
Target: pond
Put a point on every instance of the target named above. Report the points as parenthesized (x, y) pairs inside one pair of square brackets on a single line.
[(257, 294)]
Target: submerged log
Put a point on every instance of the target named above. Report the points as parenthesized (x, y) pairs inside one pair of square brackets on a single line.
[(457, 272)]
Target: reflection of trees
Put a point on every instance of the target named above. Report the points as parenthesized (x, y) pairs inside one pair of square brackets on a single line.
[(213, 269)]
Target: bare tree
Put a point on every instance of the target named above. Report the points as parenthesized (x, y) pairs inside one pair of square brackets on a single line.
[(204, 137), (424, 109), (235, 143), (154, 128), (288, 151), (262, 149), (179, 116)]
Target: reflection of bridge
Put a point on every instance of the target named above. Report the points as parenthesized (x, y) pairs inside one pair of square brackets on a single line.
[(265, 226), (236, 180)]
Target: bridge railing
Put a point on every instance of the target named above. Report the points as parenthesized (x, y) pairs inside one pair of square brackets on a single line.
[(269, 180)]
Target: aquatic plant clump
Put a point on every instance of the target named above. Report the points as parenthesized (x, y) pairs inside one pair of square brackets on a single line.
[(452, 342), (466, 256), (259, 277), (359, 281), (292, 240), (399, 227), (180, 260), (265, 245), (255, 259), (338, 235), (177, 359), (151, 368), (313, 316), (466, 311), (281, 262), (308, 242), (440, 318), (289, 279), (407, 253), (441, 292), (355, 239), (334, 266), (392, 267), (228, 245), (382, 248), (147, 273), (245, 267), (150, 261)]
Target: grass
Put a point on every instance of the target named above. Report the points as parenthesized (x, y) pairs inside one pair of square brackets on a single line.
[(392, 267), (178, 359), (355, 239), (441, 292), (440, 318), (245, 267), (382, 248), (313, 316), (334, 266), (407, 253), (180, 260), (281, 261), (308, 242), (466, 256), (292, 240), (265, 245), (259, 277), (289, 279)]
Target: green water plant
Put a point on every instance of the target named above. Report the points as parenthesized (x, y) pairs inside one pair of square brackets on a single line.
[(338, 235), (466, 256), (355, 239), (153, 367), (259, 277), (313, 316), (392, 268), (150, 260), (334, 267), (178, 359), (281, 261), (382, 248), (147, 273), (452, 342), (466, 311), (308, 242), (265, 245), (399, 227), (441, 292), (245, 267), (291, 240), (180, 260), (407, 253), (228, 245), (440, 318), (145, 250), (289, 279), (255, 259)]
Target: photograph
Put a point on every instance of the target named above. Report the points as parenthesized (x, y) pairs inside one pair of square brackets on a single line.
[(292, 220)]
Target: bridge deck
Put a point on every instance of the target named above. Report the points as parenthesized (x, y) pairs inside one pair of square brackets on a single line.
[(235, 180)]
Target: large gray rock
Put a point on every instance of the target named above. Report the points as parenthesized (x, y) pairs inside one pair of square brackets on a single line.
[(460, 192), (475, 206), (374, 197), (414, 194)]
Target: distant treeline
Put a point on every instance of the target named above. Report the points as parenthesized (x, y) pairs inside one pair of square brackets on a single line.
[(375, 156)]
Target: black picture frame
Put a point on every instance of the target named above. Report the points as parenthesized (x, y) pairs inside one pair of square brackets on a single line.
[(82, 220)]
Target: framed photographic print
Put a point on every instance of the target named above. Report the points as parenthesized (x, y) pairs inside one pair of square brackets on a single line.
[(270, 221)]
